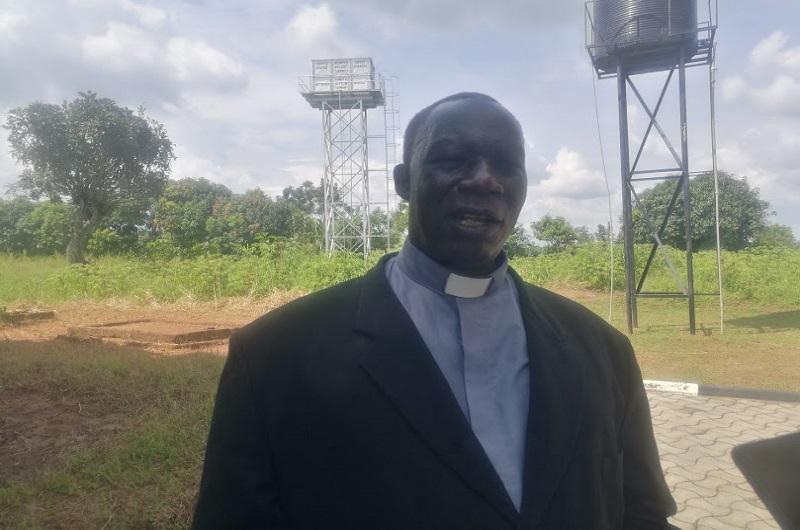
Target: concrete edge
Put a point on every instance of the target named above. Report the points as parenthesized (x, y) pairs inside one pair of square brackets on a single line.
[(671, 386), (694, 389)]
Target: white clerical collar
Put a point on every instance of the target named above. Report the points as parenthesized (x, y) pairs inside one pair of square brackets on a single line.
[(430, 274), (465, 287)]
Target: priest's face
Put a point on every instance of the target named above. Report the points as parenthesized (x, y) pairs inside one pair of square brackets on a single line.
[(465, 183)]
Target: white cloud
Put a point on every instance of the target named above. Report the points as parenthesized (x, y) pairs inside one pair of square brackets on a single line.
[(301, 172), (571, 189), (267, 99), (149, 16), (769, 156), (773, 53), (197, 62), (568, 176), (233, 176), (780, 96), (460, 14), (9, 23), (312, 26), (127, 49), (733, 89), (122, 48), (586, 212), (773, 84)]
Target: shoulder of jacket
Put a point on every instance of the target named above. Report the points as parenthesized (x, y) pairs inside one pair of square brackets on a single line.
[(326, 304), (567, 314)]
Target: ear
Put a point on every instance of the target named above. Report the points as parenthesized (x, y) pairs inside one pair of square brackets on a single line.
[(402, 181)]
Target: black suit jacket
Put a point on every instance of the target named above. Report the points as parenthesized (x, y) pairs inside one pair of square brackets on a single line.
[(332, 414)]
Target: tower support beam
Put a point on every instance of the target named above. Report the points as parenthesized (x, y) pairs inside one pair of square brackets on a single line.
[(639, 37), (344, 89)]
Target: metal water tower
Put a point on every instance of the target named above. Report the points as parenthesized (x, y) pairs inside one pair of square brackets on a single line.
[(627, 38), (344, 89)]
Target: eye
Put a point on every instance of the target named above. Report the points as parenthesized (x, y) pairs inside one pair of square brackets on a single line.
[(451, 163), (508, 166)]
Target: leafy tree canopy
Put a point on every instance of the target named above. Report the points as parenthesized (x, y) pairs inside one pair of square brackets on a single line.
[(182, 211), (14, 237), (776, 236), (91, 152), (742, 213), (520, 244), (307, 198), (558, 234)]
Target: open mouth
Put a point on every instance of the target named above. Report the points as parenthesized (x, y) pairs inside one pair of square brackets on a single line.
[(471, 220)]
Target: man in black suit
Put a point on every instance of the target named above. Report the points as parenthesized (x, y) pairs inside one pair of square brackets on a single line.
[(438, 391)]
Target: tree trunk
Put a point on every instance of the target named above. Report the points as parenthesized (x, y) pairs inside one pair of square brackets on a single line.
[(81, 231)]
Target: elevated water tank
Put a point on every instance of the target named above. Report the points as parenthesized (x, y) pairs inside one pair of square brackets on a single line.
[(643, 34)]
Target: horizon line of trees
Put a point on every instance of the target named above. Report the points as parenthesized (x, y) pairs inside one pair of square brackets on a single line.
[(105, 172), (194, 216), (191, 217), (744, 221)]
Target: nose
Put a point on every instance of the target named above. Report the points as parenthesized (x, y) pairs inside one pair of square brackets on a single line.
[(483, 178)]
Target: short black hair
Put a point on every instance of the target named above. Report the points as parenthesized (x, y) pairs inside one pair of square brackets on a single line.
[(419, 119)]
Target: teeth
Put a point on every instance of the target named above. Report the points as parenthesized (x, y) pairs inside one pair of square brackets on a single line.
[(471, 220)]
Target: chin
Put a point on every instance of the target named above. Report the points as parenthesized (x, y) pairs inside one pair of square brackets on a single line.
[(471, 257)]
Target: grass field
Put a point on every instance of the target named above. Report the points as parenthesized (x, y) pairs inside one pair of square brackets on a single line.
[(104, 435)]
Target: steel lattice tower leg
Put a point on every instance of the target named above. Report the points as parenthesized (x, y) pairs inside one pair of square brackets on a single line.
[(346, 185)]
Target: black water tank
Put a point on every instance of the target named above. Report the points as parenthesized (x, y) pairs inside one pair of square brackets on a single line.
[(645, 34)]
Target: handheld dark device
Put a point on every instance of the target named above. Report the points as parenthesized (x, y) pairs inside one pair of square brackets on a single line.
[(772, 467)]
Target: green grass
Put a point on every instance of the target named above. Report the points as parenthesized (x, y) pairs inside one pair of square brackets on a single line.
[(132, 457), (757, 346), (198, 279), (20, 276), (758, 275), (144, 471)]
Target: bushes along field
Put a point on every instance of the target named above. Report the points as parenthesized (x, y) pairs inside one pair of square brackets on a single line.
[(763, 275)]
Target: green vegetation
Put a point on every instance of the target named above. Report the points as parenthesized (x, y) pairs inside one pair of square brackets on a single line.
[(134, 427), (117, 436), (92, 152), (265, 269), (558, 234), (764, 275), (743, 215), (190, 218)]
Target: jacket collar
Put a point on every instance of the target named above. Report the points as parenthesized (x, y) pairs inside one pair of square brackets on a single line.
[(425, 271), (398, 361)]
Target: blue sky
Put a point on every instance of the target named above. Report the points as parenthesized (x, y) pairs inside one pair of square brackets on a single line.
[(222, 76)]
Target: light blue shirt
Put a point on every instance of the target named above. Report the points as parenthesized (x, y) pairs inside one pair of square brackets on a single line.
[(480, 346)]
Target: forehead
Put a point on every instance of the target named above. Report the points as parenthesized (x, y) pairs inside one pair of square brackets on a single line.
[(470, 121)]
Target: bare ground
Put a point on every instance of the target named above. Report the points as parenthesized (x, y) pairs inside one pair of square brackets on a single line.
[(40, 424)]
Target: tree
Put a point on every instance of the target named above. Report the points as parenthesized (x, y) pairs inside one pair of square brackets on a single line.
[(14, 236), (180, 216), (558, 234), (603, 233), (775, 235), (91, 152), (398, 224), (519, 244), (239, 221), (50, 226), (307, 198), (742, 213)]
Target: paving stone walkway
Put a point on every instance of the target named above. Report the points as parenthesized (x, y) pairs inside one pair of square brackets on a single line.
[(695, 436)]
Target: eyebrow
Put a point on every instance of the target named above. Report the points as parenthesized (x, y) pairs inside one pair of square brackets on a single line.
[(445, 143)]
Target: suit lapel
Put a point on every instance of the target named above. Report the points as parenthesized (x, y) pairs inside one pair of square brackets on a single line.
[(555, 410), (400, 364)]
